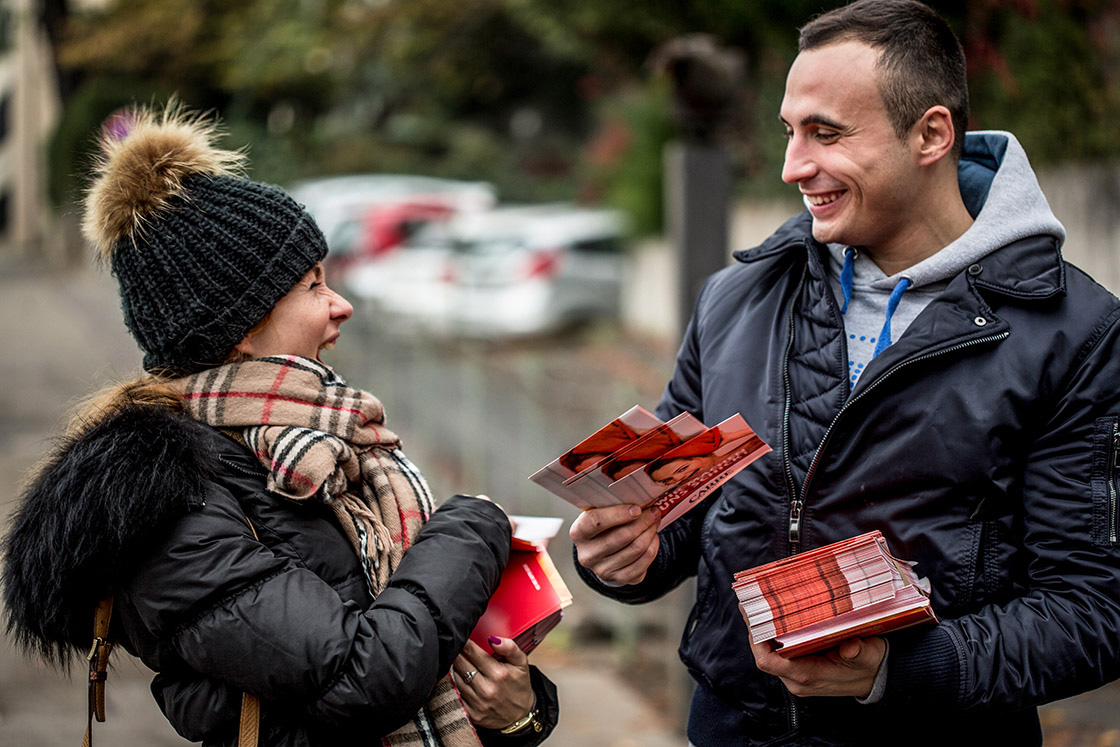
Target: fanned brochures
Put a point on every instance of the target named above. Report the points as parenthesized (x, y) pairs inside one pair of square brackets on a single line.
[(638, 459), (816, 599)]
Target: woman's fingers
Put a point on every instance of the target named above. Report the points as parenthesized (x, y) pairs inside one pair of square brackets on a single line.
[(496, 691), (506, 650)]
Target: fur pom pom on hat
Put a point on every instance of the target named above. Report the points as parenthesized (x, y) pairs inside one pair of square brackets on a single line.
[(201, 253)]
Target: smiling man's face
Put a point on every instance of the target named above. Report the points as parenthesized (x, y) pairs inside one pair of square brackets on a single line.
[(859, 180)]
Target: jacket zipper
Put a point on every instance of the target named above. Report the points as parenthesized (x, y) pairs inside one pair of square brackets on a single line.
[(239, 468), (795, 499), (1113, 465)]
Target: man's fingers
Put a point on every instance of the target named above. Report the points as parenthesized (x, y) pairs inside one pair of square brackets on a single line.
[(594, 521), (849, 650), (615, 538), (640, 551)]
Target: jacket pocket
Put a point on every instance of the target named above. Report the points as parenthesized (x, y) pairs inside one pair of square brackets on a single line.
[(1105, 481)]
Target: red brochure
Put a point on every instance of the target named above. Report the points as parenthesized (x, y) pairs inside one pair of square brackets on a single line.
[(531, 596)]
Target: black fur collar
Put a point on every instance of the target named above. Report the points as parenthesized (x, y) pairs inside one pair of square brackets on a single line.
[(92, 510)]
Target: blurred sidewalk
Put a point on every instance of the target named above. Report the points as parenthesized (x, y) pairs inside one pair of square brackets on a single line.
[(63, 337)]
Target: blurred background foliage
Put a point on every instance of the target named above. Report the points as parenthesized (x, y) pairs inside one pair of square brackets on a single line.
[(547, 99)]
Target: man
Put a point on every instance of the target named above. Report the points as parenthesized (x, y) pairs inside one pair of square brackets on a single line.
[(923, 363)]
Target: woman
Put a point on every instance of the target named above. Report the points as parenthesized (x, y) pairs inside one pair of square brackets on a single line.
[(253, 521)]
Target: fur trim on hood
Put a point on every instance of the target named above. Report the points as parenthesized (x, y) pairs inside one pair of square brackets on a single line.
[(99, 502)]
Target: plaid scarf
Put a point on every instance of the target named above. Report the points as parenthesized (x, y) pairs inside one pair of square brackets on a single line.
[(323, 440)]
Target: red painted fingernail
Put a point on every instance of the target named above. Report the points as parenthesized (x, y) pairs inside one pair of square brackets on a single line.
[(495, 641)]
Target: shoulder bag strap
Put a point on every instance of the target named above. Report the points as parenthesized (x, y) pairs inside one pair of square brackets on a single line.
[(98, 666), (250, 704)]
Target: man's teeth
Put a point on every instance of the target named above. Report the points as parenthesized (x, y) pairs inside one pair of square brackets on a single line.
[(822, 199)]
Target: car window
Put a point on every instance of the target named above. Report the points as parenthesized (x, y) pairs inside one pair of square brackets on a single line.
[(608, 245)]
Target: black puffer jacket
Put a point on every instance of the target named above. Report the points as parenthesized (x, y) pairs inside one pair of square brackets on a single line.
[(983, 444), (158, 508)]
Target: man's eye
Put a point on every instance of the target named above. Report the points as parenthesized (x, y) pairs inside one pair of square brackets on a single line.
[(787, 133), (314, 285), (827, 135)]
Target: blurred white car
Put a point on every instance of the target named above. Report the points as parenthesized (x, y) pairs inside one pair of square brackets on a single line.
[(506, 272), (365, 216)]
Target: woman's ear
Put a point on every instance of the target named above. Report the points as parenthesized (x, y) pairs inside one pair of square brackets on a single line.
[(245, 347)]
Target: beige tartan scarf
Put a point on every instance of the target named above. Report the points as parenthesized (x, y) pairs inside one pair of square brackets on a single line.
[(323, 440)]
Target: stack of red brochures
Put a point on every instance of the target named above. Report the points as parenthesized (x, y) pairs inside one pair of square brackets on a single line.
[(638, 459), (531, 595), (815, 600)]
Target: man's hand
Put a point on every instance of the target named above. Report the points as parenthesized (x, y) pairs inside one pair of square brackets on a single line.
[(617, 543), (849, 669)]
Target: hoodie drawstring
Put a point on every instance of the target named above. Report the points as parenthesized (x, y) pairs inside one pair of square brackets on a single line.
[(892, 304), (846, 277)]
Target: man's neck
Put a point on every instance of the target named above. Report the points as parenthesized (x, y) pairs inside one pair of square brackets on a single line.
[(943, 221)]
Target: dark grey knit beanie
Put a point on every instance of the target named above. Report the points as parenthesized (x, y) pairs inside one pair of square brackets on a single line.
[(200, 253)]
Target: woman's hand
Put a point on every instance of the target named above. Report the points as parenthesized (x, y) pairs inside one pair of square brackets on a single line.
[(495, 689), (488, 499)]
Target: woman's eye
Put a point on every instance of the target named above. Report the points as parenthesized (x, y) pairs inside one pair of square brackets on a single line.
[(315, 285)]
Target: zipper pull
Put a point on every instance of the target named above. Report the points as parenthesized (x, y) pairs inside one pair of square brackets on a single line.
[(1116, 444), (795, 524)]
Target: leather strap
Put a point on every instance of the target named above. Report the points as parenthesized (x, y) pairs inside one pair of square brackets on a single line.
[(249, 730), (98, 666), (250, 721)]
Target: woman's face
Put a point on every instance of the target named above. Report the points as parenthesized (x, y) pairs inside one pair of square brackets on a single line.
[(679, 470), (303, 322)]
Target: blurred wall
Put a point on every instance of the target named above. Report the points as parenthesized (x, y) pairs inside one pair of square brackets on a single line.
[(1086, 199)]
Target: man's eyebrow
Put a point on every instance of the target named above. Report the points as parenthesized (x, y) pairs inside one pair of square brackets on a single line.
[(816, 119)]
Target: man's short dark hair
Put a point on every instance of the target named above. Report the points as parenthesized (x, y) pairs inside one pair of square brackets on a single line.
[(920, 59)]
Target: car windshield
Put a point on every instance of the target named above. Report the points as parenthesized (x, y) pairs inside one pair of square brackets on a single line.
[(430, 235)]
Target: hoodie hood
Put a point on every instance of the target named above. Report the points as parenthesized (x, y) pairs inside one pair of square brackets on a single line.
[(1001, 193)]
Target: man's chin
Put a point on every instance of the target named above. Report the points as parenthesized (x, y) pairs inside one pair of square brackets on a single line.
[(827, 233)]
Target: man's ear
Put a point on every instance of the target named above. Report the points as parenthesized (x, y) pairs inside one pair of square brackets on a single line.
[(934, 135)]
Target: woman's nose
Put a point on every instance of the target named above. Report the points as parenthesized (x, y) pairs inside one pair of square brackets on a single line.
[(341, 309)]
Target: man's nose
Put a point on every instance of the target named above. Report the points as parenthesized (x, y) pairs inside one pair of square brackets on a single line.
[(798, 165)]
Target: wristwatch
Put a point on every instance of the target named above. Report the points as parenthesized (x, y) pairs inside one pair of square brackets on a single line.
[(523, 723)]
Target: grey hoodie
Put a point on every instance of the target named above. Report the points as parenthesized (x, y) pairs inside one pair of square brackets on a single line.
[(1001, 193)]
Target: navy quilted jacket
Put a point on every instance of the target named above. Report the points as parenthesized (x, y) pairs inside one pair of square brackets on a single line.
[(983, 444)]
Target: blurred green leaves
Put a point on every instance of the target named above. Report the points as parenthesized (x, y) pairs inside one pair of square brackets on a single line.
[(545, 98)]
